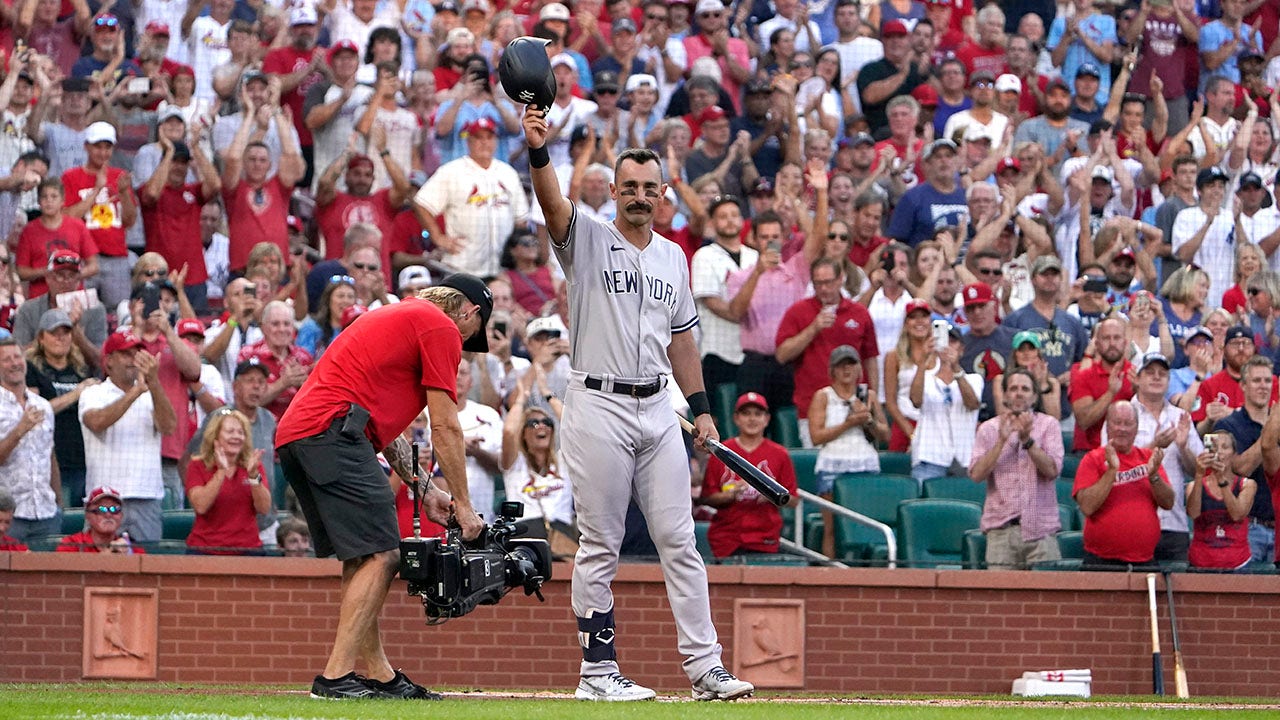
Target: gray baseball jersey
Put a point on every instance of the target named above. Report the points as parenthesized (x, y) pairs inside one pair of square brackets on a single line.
[(624, 303)]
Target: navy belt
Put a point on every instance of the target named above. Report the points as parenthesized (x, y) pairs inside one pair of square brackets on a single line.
[(621, 388)]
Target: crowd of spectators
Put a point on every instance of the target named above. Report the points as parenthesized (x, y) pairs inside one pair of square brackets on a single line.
[(948, 228)]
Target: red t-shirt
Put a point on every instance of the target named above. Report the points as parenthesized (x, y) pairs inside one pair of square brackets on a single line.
[(103, 218), (532, 291), (1126, 527), (82, 542), (347, 210), (172, 224), (976, 57), (37, 244), (286, 61), (230, 522), (384, 362), (852, 327), (446, 77), (9, 544), (256, 215), (404, 515), (1217, 541), (1223, 388), (752, 523), (860, 254), (173, 445), (274, 366), (1092, 383), (1233, 300)]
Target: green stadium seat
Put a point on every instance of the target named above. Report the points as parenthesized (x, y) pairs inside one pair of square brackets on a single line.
[(723, 400), (784, 429), (1071, 544), (1064, 491), (1069, 464), (955, 488), (44, 543), (700, 529), (1068, 438), (774, 559), (177, 524), (975, 549), (72, 521), (877, 497), (895, 463), (1067, 517), (279, 489), (932, 531), (803, 459)]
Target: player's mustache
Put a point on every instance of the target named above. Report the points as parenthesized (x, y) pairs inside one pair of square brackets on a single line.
[(640, 207)]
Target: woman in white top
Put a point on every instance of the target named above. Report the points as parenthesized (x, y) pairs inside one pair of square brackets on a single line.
[(530, 471), (843, 423), (949, 400), (900, 369)]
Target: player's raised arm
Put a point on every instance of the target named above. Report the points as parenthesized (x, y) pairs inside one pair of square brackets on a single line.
[(546, 188)]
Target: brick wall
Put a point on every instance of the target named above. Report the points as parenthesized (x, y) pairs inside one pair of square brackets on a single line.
[(270, 620)]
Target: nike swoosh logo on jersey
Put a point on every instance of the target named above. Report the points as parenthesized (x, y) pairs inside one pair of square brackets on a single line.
[(615, 248)]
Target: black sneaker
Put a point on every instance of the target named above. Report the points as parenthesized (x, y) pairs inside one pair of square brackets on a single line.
[(348, 686), (401, 686)]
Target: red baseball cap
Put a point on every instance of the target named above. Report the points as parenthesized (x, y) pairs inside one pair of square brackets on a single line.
[(359, 159), (893, 28), (64, 258), (978, 293), (925, 95), (98, 493), (157, 27), (751, 398), (1009, 163), (190, 326), (294, 222), (120, 340), (715, 112), (483, 124), (915, 305), (340, 46), (350, 314), (1127, 252)]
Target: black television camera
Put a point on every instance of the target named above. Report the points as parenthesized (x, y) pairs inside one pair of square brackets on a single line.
[(453, 577)]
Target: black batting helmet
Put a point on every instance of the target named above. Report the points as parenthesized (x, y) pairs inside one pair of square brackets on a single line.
[(525, 71)]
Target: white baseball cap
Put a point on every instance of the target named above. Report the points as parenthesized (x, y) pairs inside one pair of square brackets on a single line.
[(564, 59), (640, 80), (414, 274), (303, 14), (1008, 82), (100, 132), (551, 323), (705, 6), (554, 11)]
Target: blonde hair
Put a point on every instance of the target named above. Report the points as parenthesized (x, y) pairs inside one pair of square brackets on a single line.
[(1180, 286), (214, 428), (524, 447), (449, 300), (146, 260)]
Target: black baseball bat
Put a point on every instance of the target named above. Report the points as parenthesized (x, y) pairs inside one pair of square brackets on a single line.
[(1179, 670), (763, 484), (1157, 668)]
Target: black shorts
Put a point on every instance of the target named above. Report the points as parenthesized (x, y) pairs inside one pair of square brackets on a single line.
[(343, 491)]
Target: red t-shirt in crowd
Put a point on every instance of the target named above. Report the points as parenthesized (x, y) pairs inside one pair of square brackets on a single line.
[(37, 244), (173, 445), (274, 367), (446, 77), (860, 254), (347, 210), (852, 327), (1092, 383), (256, 215), (103, 218), (404, 515), (1223, 388), (532, 290), (286, 61), (11, 544), (1233, 300), (752, 523), (82, 542), (384, 362), (1126, 526), (977, 57), (230, 522), (172, 224)]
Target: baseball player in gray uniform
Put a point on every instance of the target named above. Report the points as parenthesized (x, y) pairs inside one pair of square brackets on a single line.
[(631, 312)]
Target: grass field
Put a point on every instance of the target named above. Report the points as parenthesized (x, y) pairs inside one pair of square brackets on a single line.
[(125, 701)]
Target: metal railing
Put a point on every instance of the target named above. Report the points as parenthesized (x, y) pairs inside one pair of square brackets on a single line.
[(797, 543)]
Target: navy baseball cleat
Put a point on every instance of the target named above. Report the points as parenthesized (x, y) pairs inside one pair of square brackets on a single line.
[(720, 684)]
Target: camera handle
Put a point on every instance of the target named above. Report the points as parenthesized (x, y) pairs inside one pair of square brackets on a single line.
[(416, 489)]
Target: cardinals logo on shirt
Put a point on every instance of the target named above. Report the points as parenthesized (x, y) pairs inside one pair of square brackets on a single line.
[(500, 198)]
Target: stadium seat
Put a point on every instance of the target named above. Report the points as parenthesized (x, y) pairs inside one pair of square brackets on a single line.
[(1069, 464), (932, 531), (1067, 517), (895, 463), (784, 429), (775, 559), (803, 459), (1068, 439), (72, 520), (955, 488), (975, 549), (726, 395), (1071, 545), (279, 489), (700, 529), (177, 524), (877, 497), (1064, 491)]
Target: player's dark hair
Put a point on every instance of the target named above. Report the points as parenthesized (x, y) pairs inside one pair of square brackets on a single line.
[(765, 218), (639, 156)]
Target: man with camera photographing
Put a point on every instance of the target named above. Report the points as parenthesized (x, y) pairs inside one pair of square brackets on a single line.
[(238, 328), (371, 382)]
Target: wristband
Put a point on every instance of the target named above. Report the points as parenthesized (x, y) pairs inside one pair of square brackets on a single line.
[(698, 404), (1223, 484), (384, 153), (255, 480), (1028, 443), (539, 157)]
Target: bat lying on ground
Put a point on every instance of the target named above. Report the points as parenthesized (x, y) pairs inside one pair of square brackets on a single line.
[(763, 484)]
